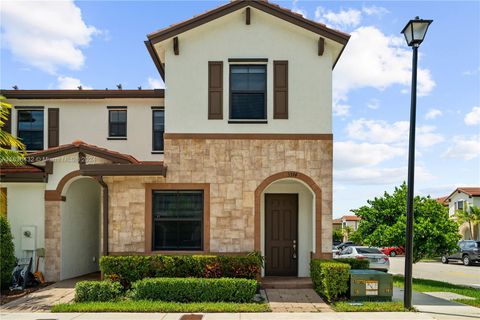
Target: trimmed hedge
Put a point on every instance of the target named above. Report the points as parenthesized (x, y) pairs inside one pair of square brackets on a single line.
[(128, 269), (355, 263), (194, 289), (97, 291), (7, 254), (330, 278)]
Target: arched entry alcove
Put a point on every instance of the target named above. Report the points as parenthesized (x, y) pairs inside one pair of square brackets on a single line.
[(80, 227), (287, 223)]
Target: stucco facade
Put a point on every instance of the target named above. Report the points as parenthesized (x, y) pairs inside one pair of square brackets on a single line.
[(234, 164)]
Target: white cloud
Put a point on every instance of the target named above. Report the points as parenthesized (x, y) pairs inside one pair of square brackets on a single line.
[(341, 110), (433, 113), (70, 83), (380, 131), (297, 9), (375, 11), (342, 19), (374, 59), (45, 34), (155, 83), (373, 104), (473, 117), (464, 148), (348, 154), (372, 176)]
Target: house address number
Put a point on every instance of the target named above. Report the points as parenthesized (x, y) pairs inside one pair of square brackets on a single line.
[(292, 174)]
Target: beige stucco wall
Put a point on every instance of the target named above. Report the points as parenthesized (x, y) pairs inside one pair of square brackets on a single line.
[(309, 75), (234, 169), (87, 120)]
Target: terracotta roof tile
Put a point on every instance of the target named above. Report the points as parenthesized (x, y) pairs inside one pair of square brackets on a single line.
[(79, 146), (27, 168), (351, 218)]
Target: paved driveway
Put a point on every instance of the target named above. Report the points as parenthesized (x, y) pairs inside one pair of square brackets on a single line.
[(453, 272)]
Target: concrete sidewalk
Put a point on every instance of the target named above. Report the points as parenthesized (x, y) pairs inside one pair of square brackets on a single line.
[(438, 308), (222, 316)]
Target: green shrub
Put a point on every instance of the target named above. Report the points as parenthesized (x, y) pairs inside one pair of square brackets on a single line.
[(97, 291), (355, 263), (128, 269), (330, 278), (194, 289), (7, 255)]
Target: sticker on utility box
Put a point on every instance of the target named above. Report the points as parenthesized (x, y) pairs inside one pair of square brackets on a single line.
[(371, 288)]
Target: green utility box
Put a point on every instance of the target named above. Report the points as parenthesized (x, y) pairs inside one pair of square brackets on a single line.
[(371, 285)]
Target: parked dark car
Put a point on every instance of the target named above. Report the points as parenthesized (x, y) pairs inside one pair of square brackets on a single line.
[(468, 252), (345, 244)]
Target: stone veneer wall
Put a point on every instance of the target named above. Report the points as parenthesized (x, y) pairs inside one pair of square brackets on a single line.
[(234, 168), (53, 235)]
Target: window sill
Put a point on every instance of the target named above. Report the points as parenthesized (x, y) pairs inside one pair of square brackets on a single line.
[(248, 121), (117, 138), (157, 152)]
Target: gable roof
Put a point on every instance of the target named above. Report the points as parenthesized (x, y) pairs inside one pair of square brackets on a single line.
[(470, 191), (262, 5), (234, 5), (80, 146)]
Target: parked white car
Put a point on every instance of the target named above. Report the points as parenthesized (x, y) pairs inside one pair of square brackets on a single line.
[(377, 259)]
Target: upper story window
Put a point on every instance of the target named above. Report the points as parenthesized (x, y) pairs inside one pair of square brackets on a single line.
[(248, 92), (460, 205), (158, 129), (30, 129), (117, 123)]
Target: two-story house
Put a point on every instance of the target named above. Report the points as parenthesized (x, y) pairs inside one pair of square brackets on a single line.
[(462, 199), (234, 156)]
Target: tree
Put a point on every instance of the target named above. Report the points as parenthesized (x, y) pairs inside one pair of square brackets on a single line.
[(337, 235), (384, 223), (7, 141), (470, 215), (7, 255), (346, 232)]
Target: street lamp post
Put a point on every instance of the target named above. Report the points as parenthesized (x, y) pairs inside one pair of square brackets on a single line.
[(414, 33)]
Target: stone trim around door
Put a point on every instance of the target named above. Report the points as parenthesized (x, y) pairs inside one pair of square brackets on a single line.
[(149, 187), (318, 207)]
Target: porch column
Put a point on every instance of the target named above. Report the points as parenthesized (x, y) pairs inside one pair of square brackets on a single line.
[(52, 240)]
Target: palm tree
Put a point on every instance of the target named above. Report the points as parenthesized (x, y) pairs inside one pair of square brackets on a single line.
[(346, 231), (470, 215), (7, 141)]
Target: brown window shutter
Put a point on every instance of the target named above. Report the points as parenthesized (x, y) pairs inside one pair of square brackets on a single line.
[(280, 89), (53, 127), (215, 90)]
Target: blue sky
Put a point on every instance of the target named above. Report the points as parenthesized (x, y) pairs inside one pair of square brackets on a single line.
[(100, 44)]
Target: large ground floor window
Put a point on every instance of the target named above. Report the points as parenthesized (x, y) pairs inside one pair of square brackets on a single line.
[(177, 220)]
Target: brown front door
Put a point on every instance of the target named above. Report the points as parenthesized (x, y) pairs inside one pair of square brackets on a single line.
[(281, 238)]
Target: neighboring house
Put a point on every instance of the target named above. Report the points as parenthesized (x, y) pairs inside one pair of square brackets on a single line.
[(461, 199), (234, 156), (337, 224), (350, 221)]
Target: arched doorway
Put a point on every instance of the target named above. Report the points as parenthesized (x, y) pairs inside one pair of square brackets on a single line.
[(287, 223), (80, 227)]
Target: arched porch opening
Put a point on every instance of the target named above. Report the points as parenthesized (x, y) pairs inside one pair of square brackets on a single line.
[(80, 227)]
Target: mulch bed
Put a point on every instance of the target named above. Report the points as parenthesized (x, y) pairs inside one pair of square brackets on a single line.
[(7, 295)]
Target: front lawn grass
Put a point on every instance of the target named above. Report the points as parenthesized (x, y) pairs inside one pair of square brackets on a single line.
[(369, 306), (424, 285), (160, 306)]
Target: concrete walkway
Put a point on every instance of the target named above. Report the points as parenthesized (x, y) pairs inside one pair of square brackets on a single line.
[(222, 316), (296, 300), (42, 300), (438, 308)]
